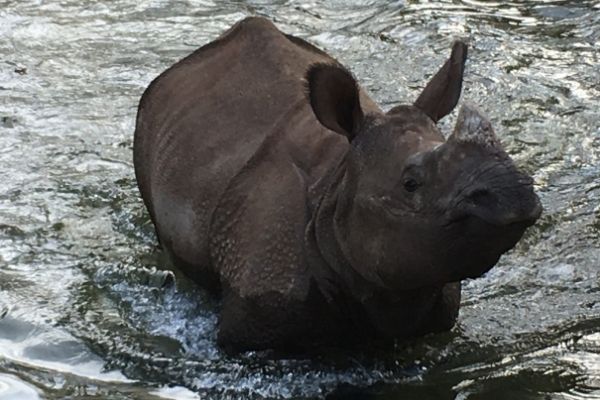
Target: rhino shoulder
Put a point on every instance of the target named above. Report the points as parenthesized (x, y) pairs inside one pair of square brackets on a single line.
[(258, 225), (256, 248)]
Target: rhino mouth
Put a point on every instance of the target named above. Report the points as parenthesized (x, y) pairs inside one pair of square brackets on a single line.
[(483, 239), (482, 242), (510, 218)]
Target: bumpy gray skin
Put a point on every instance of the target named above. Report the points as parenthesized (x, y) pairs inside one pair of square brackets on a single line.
[(272, 178)]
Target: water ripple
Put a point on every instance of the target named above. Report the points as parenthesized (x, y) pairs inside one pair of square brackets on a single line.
[(90, 306)]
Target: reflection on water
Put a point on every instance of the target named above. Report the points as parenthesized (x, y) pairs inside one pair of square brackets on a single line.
[(12, 387), (88, 304)]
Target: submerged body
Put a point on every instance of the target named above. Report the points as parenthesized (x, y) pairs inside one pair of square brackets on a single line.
[(271, 176)]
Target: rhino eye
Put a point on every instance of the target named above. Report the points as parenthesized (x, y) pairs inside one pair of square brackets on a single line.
[(411, 185)]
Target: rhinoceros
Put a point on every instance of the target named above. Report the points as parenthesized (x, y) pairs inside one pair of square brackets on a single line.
[(275, 181)]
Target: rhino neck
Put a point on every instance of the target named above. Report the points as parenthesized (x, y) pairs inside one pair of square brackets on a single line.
[(363, 302), (330, 267)]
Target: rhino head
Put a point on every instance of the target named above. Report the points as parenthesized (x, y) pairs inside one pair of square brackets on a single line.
[(410, 209)]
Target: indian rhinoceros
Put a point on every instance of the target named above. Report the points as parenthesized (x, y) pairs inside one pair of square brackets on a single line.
[(272, 178)]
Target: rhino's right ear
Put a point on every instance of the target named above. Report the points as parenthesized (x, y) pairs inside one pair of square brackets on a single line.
[(334, 98), (443, 91)]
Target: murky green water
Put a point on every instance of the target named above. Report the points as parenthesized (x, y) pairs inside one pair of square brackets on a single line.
[(86, 304)]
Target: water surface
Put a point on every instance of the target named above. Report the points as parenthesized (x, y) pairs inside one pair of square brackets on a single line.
[(87, 303)]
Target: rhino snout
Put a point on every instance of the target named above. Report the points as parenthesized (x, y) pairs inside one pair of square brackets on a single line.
[(502, 206), (494, 191)]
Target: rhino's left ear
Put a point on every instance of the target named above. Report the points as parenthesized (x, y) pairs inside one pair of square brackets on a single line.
[(443, 91), (334, 98)]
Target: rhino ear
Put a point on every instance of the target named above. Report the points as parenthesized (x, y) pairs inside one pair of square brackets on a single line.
[(334, 98), (443, 91)]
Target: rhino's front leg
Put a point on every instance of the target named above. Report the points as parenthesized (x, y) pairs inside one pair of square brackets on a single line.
[(257, 248), (263, 321), (444, 313)]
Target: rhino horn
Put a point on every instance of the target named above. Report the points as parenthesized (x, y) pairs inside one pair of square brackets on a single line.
[(474, 127)]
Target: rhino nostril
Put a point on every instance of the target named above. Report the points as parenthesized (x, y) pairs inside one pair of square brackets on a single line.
[(481, 197)]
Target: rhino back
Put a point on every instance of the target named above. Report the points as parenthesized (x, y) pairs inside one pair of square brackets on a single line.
[(202, 120)]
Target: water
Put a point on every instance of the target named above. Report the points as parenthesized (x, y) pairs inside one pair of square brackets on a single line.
[(88, 304)]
